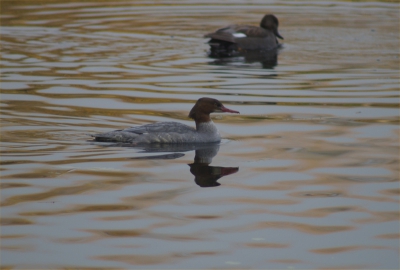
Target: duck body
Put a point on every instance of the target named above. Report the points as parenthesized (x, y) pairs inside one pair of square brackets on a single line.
[(163, 132), (173, 132), (236, 39)]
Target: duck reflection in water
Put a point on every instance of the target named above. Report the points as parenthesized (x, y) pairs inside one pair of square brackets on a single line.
[(204, 174), (267, 59)]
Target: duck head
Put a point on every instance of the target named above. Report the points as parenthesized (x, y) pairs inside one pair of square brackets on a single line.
[(204, 106), (270, 22)]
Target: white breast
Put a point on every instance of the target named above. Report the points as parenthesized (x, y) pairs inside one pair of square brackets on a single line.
[(208, 132)]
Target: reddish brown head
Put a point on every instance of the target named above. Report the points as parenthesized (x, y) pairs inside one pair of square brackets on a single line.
[(204, 106)]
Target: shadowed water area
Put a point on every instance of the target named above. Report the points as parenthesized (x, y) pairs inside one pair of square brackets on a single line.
[(306, 177)]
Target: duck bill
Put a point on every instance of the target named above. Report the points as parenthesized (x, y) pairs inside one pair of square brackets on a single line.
[(225, 109), (277, 34)]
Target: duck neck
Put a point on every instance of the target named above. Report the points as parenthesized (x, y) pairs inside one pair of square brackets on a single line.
[(200, 118), (206, 127)]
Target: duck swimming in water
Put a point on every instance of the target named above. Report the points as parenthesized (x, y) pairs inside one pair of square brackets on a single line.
[(235, 39), (173, 132)]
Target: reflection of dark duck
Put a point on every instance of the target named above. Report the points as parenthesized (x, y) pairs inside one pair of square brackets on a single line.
[(267, 59), (235, 39), (205, 175)]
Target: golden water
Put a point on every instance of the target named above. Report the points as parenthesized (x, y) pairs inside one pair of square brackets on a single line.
[(312, 160)]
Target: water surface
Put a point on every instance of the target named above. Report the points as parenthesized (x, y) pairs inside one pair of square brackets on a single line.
[(305, 177)]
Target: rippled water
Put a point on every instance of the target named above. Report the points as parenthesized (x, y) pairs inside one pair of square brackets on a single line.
[(308, 171)]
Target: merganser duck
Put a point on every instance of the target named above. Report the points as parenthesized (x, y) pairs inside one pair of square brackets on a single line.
[(173, 132), (233, 39)]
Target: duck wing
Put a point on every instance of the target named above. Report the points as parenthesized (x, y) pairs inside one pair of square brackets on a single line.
[(251, 31), (160, 127), (224, 34), (133, 134), (233, 32)]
